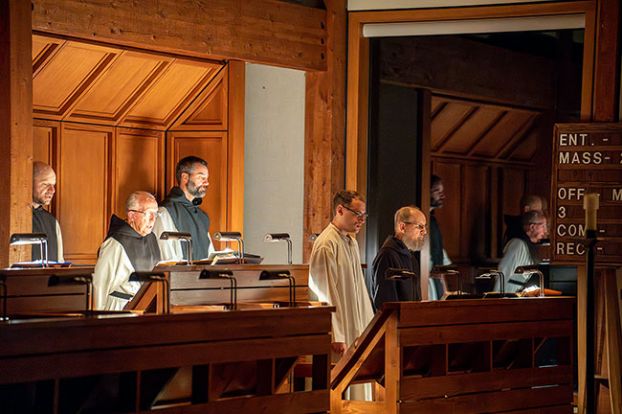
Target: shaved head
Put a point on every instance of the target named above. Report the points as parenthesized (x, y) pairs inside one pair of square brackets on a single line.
[(43, 184)]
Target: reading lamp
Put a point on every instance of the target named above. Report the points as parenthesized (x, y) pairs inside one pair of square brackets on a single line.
[(182, 237), (282, 274), (85, 279), (233, 283), (157, 277), (5, 294), (278, 237), (499, 274), (529, 270), (21, 239), (448, 270), (394, 273), (228, 236)]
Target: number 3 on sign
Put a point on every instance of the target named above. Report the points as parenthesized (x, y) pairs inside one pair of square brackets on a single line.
[(561, 212)]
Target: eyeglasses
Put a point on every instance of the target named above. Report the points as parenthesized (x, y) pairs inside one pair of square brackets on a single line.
[(358, 214), (417, 225), (147, 212), (537, 223)]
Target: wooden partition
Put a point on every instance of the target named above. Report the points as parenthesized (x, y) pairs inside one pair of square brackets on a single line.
[(461, 356), (239, 361)]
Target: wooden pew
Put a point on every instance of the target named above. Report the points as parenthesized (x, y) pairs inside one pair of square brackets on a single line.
[(238, 361), (28, 291), (464, 356)]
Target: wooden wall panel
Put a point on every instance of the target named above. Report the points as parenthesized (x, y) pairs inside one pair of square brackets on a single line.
[(478, 195), (472, 130), (43, 48), (45, 139), (173, 91), (447, 121), (449, 217), (57, 86), (83, 185), (513, 188), (212, 147), (127, 78), (492, 143), (139, 165), (475, 213), (209, 111)]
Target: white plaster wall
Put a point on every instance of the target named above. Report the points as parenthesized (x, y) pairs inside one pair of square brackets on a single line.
[(273, 160)]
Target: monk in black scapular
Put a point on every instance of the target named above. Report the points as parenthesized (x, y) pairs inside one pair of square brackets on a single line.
[(180, 211), (43, 190), (129, 246)]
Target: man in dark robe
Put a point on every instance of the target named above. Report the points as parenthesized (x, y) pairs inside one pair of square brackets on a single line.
[(398, 252), (129, 246), (180, 212), (43, 190)]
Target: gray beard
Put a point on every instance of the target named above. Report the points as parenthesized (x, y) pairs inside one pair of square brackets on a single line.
[(195, 191)]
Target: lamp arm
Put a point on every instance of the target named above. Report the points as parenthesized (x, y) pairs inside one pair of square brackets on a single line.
[(289, 251)]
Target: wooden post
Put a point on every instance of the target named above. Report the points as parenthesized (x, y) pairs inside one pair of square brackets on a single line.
[(392, 365), (15, 126), (325, 127), (613, 326), (235, 202)]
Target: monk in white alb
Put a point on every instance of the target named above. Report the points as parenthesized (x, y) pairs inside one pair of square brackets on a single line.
[(336, 277), (129, 247)]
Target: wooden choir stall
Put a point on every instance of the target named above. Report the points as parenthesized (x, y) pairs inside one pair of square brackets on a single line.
[(463, 356), (216, 358)]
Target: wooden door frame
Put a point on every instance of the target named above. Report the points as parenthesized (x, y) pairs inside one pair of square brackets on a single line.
[(358, 78), (358, 63)]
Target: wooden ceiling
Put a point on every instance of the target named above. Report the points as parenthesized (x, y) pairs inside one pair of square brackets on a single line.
[(74, 81), (475, 130)]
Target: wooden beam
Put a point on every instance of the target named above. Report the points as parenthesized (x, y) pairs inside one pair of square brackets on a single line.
[(613, 326), (262, 31), (325, 128), (607, 65), (15, 126), (235, 193), (477, 70)]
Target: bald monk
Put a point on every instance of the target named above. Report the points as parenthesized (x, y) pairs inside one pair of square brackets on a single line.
[(129, 246), (43, 190)]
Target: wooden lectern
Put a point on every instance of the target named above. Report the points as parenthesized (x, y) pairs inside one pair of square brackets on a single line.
[(191, 293), (28, 291), (463, 356)]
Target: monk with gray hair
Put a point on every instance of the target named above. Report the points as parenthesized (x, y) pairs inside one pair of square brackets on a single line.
[(129, 246)]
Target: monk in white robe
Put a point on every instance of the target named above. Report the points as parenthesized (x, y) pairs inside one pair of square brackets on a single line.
[(336, 277), (129, 246)]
